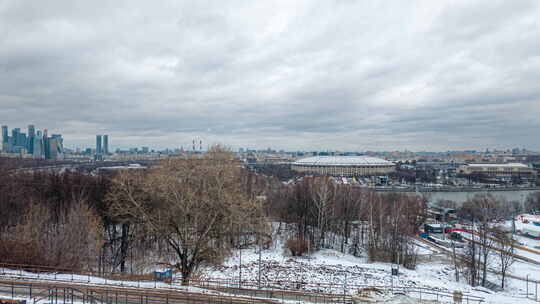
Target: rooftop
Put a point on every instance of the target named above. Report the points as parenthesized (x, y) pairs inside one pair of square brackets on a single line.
[(512, 165), (343, 161)]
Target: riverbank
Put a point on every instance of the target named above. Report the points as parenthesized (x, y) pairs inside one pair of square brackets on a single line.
[(452, 189)]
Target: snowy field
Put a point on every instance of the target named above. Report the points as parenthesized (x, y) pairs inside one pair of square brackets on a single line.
[(347, 273), (333, 271), (330, 271)]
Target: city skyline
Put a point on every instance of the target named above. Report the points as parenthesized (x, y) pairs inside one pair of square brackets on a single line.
[(351, 76), (34, 143), (101, 146)]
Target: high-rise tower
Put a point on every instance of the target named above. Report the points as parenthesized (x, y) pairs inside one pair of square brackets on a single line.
[(98, 145), (15, 135), (106, 144), (38, 146), (46, 145), (30, 139), (56, 146), (5, 139), (5, 136), (31, 130)]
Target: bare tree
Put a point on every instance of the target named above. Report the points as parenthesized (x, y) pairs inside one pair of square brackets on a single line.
[(505, 253), (322, 192), (393, 220), (532, 204), (482, 210), (196, 204), (349, 202), (455, 261), (71, 241)]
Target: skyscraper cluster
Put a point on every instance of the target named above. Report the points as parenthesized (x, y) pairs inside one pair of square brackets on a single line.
[(102, 146), (35, 143)]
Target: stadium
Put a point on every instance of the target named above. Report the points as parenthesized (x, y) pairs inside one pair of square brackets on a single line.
[(343, 165)]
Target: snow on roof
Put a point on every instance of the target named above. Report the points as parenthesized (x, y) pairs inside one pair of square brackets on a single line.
[(513, 165), (122, 167), (343, 161)]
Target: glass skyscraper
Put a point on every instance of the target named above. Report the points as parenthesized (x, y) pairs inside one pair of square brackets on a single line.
[(5, 139), (30, 139), (5, 134), (106, 144), (37, 144), (98, 144)]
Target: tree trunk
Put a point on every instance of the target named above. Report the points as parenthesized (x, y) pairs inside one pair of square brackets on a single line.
[(186, 273), (124, 247), (455, 262)]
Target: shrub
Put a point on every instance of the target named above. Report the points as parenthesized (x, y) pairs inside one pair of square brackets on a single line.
[(297, 246), (38, 240)]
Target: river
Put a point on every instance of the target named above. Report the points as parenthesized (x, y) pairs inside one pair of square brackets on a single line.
[(460, 197)]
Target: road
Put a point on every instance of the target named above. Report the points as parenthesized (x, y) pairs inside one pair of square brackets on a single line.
[(464, 258), (517, 256)]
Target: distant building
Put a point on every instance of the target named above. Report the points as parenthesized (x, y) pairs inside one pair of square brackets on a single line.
[(98, 145), (30, 139), (46, 145), (5, 139), (56, 147), (36, 144), (15, 136), (106, 144), (38, 151), (344, 165), (498, 171)]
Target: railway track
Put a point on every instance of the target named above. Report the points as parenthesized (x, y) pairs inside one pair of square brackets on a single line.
[(517, 246), (517, 256), (466, 259)]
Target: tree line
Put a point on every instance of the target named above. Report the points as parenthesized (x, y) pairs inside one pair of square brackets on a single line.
[(321, 214), (190, 212), (184, 213), (492, 243)]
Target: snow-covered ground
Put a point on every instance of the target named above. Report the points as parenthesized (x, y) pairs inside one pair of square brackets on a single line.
[(346, 273), (334, 272), (94, 280)]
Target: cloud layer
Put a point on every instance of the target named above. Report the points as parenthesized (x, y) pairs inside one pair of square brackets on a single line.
[(348, 75)]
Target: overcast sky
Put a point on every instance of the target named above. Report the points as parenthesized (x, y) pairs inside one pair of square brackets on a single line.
[(299, 75)]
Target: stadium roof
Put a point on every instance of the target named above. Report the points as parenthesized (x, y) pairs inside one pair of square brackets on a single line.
[(343, 161)]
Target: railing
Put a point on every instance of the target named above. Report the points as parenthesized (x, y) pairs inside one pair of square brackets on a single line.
[(276, 288), (281, 290), (55, 293), (532, 289), (531, 284)]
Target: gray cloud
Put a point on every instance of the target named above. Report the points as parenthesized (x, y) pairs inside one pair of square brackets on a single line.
[(349, 75)]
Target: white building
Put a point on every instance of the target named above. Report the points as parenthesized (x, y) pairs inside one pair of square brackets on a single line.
[(344, 165)]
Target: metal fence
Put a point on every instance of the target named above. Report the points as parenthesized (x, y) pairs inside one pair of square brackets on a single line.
[(45, 293), (279, 291), (532, 289), (276, 292)]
